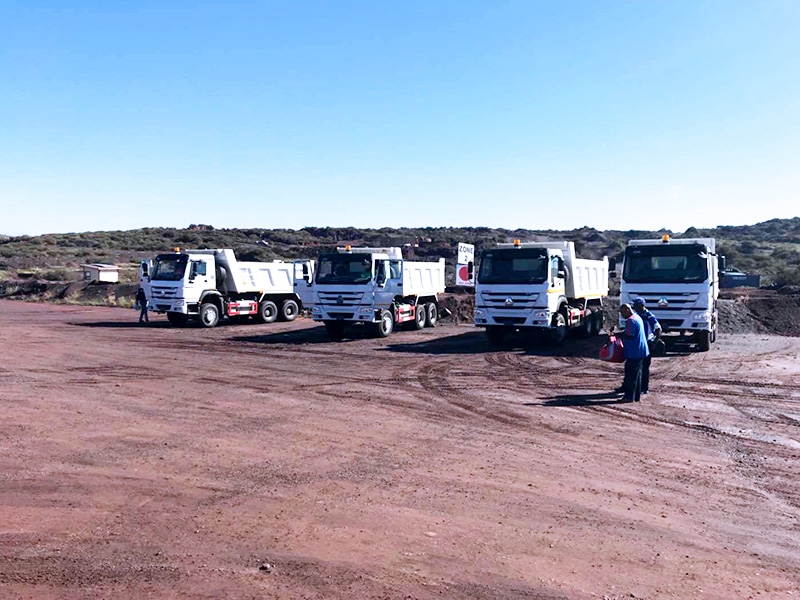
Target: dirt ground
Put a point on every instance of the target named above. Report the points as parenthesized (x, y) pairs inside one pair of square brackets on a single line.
[(263, 461)]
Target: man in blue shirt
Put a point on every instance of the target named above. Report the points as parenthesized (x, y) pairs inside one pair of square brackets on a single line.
[(652, 332), (635, 351)]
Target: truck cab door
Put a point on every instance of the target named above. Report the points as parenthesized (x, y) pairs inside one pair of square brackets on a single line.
[(304, 281), (145, 268), (200, 276), (385, 287), (558, 274)]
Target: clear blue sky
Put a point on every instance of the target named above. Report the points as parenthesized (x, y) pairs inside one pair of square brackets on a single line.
[(615, 114)]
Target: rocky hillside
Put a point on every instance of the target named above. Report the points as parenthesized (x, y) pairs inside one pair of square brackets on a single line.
[(770, 249)]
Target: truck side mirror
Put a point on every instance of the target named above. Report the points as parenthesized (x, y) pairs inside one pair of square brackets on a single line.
[(306, 274), (470, 268), (723, 263), (612, 264)]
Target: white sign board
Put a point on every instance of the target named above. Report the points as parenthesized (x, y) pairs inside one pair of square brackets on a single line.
[(466, 253), (466, 257)]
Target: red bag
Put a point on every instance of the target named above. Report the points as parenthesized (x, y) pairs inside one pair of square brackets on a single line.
[(612, 350)]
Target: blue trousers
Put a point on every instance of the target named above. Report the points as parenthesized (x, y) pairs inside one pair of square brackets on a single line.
[(632, 383)]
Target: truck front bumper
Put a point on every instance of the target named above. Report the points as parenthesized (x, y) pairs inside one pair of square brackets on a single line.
[(489, 317), (364, 313), (176, 305)]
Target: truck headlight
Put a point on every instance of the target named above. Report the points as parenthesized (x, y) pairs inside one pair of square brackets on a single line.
[(541, 314), (703, 316), (366, 310), (316, 310), (479, 312)]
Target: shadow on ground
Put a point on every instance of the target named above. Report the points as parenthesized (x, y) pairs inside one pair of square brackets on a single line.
[(475, 342), (596, 399)]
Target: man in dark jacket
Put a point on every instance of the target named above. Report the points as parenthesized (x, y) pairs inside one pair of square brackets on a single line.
[(652, 332), (141, 302)]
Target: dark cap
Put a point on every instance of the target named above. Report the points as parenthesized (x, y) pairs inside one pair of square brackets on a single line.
[(639, 302)]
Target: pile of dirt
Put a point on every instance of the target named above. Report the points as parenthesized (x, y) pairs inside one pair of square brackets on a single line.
[(108, 294)]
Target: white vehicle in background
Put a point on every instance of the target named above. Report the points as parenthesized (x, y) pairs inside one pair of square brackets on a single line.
[(375, 287), (539, 287), (679, 282), (207, 285)]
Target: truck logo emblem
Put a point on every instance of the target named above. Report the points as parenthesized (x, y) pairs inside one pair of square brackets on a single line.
[(509, 301), (339, 300), (662, 302)]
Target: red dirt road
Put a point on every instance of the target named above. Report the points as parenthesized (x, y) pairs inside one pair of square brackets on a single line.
[(167, 462)]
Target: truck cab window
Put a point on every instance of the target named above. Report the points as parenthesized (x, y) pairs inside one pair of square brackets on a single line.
[(198, 268), (395, 270)]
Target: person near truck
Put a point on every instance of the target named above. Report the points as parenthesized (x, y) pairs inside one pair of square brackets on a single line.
[(141, 304), (635, 351), (652, 332)]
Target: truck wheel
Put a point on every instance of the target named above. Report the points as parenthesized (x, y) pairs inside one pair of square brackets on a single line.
[(495, 335), (704, 341), (587, 327), (597, 322), (420, 317), (433, 314), (384, 327), (559, 329), (177, 318), (209, 315), (335, 329), (289, 310), (267, 311)]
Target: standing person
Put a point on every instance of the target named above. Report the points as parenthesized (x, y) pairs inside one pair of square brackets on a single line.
[(141, 302), (635, 347), (652, 332)]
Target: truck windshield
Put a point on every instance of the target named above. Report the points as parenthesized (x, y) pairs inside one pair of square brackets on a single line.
[(169, 267), (344, 268), (513, 265), (678, 263)]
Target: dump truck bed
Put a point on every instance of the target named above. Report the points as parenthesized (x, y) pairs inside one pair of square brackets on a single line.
[(423, 278)]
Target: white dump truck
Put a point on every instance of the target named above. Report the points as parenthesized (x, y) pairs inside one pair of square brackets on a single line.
[(208, 285), (679, 282), (539, 287), (375, 287)]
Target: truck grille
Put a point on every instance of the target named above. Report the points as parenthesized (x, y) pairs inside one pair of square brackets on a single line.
[(509, 300), (340, 298), (163, 293)]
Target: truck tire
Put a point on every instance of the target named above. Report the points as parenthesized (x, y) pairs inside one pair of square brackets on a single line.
[(289, 310), (587, 327), (335, 329), (177, 318), (433, 313), (208, 315), (385, 326), (704, 341), (267, 311), (597, 322), (495, 335), (558, 332), (420, 317)]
